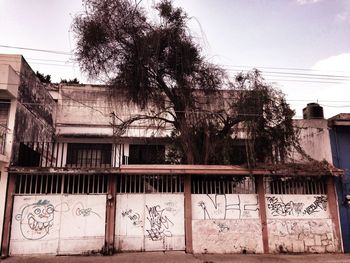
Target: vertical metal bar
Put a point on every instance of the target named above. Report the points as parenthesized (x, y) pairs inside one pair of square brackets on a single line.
[(214, 186), (56, 156), (56, 192), (96, 157), (47, 153), (144, 183), (206, 186), (171, 183), (162, 184), (25, 184), (114, 162), (210, 186), (121, 178), (176, 182), (125, 183), (83, 184), (140, 182), (20, 184), (93, 183), (42, 154), (166, 183), (95, 189), (47, 182), (129, 183), (68, 183), (62, 154), (36, 180)]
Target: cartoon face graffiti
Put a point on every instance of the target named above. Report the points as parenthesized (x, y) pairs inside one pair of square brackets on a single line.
[(36, 219)]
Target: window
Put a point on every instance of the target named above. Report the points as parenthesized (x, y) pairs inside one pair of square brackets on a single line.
[(146, 154), (89, 155)]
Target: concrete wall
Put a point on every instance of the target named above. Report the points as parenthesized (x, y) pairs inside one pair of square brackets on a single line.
[(86, 110), (9, 81), (300, 223), (57, 224), (226, 223), (314, 139), (149, 222), (35, 110)]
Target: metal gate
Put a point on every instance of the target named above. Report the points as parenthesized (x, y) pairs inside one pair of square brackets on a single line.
[(150, 213), (58, 214)]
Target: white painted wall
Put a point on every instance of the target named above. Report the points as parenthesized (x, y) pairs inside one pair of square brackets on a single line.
[(300, 223), (4, 165), (226, 223), (86, 109), (150, 222), (57, 224), (314, 140)]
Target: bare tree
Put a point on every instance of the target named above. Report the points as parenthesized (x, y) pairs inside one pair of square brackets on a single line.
[(159, 63)]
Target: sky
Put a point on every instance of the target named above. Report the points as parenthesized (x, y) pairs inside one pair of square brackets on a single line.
[(301, 46)]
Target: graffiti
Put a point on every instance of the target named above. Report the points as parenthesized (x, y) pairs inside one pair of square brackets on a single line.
[(79, 210), (280, 208), (221, 207), (134, 217), (36, 219), (223, 228), (320, 202), (159, 223)]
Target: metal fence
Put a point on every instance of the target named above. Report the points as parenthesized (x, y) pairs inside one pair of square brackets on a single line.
[(138, 183), (73, 155), (295, 185), (223, 184), (61, 184)]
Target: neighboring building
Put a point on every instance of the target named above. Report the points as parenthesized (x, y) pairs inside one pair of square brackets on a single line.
[(26, 114), (339, 126), (70, 185), (329, 140)]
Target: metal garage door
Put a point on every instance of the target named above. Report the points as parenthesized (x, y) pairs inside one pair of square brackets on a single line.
[(150, 213), (63, 220)]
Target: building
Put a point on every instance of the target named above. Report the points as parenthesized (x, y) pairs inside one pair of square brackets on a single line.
[(71, 186), (339, 126)]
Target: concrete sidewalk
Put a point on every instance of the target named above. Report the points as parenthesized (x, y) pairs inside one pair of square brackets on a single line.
[(154, 257)]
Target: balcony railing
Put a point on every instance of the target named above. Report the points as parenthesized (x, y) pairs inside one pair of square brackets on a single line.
[(69, 155)]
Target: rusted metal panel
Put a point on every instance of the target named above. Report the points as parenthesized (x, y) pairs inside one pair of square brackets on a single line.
[(150, 222), (57, 224)]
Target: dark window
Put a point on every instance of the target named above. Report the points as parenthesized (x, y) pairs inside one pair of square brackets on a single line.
[(89, 155), (146, 154), (27, 156)]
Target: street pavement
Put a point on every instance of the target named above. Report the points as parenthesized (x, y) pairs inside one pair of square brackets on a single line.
[(155, 257)]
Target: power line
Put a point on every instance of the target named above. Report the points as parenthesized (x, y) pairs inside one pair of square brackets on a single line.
[(39, 50), (281, 68)]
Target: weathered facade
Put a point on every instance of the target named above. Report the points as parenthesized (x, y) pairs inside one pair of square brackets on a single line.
[(73, 186)]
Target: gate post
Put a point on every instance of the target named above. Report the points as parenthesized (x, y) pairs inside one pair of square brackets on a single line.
[(8, 214), (188, 213), (110, 214), (333, 210), (259, 185)]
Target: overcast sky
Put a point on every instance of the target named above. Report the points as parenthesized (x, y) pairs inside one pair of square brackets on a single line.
[(302, 46)]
